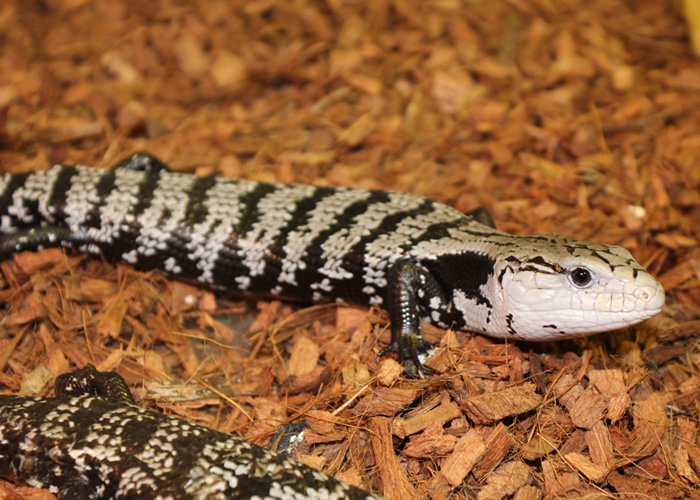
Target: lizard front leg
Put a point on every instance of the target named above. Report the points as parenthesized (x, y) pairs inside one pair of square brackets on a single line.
[(411, 292)]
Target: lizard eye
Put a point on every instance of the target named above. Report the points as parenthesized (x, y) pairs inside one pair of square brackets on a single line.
[(580, 276)]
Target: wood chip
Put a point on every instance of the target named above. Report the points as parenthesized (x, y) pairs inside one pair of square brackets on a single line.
[(589, 409), (600, 445), (504, 481), (442, 414), (111, 320), (433, 441), (582, 464), (385, 401), (558, 480), (495, 406), (304, 357), (467, 452), (395, 484), (650, 424), (528, 493), (390, 372), (498, 443)]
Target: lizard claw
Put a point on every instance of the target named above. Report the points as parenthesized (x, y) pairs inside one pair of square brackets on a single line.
[(409, 347)]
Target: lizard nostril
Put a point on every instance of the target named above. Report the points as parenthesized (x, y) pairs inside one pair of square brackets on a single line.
[(653, 297)]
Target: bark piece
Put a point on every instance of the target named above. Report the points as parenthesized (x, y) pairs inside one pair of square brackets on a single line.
[(468, 450), (394, 483), (495, 406)]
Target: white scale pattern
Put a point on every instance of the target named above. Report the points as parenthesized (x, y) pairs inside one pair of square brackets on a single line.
[(209, 237), (155, 229), (341, 243), (275, 213), (119, 205), (37, 187), (321, 218), (383, 251), (82, 197)]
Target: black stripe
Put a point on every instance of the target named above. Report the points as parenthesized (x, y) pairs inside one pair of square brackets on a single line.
[(230, 265), (509, 325), (198, 194), (353, 260), (57, 199), (103, 187), (467, 271), (299, 216), (195, 211), (597, 254)]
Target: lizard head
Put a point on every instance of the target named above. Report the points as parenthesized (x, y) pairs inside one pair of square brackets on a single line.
[(553, 288)]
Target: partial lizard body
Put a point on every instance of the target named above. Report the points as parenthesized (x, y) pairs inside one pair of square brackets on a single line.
[(88, 444), (415, 257)]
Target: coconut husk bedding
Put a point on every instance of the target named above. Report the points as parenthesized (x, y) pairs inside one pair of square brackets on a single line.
[(574, 118)]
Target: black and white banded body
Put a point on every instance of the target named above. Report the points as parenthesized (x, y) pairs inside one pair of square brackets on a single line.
[(417, 258), (88, 445)]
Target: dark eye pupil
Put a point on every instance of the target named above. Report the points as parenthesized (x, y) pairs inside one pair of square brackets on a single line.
[(581, 276)]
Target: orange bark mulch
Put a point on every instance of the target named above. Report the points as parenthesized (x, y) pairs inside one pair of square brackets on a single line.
[(569, 117)]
